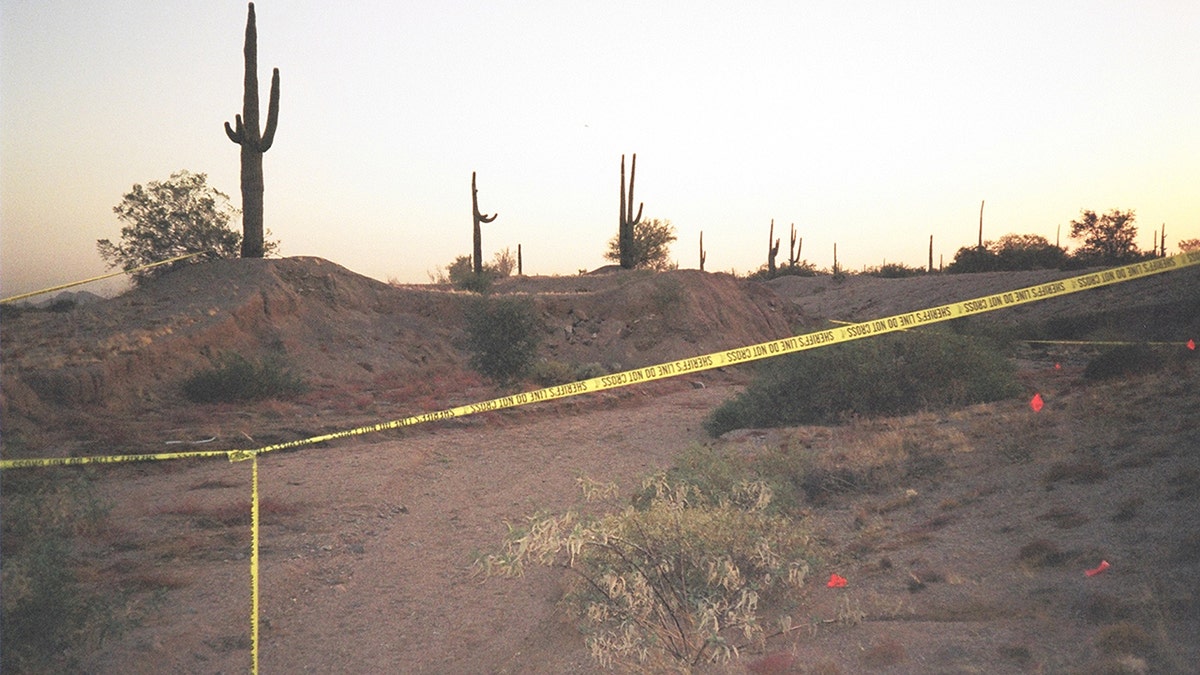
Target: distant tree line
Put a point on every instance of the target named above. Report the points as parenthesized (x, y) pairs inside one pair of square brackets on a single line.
[(1108, 239)]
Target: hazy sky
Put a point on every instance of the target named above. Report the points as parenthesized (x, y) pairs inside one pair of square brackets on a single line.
[(868, 124)]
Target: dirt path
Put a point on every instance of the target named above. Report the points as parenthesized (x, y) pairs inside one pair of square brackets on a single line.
[(367, 547)]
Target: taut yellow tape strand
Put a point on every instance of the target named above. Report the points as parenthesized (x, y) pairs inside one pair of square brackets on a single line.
[(254, 511), (22, 296)]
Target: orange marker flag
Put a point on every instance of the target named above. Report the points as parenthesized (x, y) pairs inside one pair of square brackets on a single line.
[(1099, 569), (1192, 345), (836, 581), (1037, 403)]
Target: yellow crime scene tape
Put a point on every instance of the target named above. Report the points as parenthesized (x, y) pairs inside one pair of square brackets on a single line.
[(1103, 342), (22, 296), (695, 364)]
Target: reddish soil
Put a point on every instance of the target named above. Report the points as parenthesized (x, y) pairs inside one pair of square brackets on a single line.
[(974, 564)]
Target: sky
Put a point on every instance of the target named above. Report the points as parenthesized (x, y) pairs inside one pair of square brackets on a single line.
[(869, 125)]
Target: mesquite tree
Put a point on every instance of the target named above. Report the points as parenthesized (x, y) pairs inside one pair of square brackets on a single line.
[(479, 218), (628, 221), (245, 133)]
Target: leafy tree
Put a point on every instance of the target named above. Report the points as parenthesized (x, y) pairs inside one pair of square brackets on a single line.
[(1189, 245), (1011, 252), (651, 245), (1107, 239), (166, 219), (970, 259), (1027, 252)]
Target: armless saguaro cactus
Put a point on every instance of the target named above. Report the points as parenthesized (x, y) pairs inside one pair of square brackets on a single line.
[(479, 218), (628, 221), (245, 133)]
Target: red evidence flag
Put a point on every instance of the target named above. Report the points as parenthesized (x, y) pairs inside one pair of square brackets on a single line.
[(1037, 403), (836, 581)]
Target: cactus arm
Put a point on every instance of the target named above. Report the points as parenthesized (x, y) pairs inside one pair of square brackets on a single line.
[(238, 135), (268, 136), (632, 175)]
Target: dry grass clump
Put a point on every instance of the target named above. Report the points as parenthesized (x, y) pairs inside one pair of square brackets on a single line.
[(672, 583)]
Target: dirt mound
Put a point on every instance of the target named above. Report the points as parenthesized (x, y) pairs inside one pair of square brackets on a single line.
[(358, 341), (631, 319), (131, 352)]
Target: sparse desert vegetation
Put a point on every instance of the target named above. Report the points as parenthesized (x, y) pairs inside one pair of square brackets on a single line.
[(963, 529)]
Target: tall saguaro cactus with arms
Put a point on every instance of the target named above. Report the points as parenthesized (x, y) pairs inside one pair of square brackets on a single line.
[(245, 133), (628, 221), (479, 218)]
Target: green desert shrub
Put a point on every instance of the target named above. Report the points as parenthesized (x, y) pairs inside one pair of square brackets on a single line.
[(49, 616), (235, 378), (503, 334), (889, 375), (671, 583), (1122, 361)]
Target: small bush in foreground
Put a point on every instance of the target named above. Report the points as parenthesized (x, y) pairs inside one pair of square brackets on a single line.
[(889, 375), (503, 334), (49, 616), (669, 585), (235, 378)]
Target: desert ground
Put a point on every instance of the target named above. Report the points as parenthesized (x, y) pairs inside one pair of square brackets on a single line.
[(967, 556)]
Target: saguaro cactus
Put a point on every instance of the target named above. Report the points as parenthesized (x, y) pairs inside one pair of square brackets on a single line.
[(980, 246), (793, 250), (772, 249), (628, 221), (703, 254), (479, 218), (245, 133)]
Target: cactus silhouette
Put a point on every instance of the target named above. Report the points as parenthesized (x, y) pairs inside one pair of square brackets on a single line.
[(628, 221), (703, 254), (245, 133), (772, 250), (479, 218), (793, 250)]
